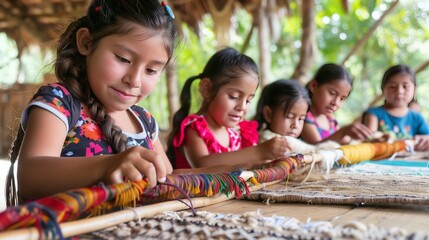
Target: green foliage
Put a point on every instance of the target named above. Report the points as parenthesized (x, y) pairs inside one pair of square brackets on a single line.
[(401, 38), (34, 63), (8, 61)]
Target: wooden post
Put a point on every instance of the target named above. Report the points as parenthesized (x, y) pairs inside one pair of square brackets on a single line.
[(172, 89), (264, 44), (308, 40)]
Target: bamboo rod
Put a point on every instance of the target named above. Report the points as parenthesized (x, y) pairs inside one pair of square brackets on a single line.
[(421, 67), (92, 224), (81, 226)]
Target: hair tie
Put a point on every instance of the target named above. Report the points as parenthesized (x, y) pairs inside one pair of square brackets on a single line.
[(167, 9)]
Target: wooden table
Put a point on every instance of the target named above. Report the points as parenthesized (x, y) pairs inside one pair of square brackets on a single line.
[(410, 218)]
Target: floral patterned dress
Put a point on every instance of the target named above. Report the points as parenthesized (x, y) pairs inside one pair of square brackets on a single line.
[(324, 133), (84, 135)]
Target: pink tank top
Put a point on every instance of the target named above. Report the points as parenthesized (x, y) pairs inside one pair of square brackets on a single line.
[(244, 135)]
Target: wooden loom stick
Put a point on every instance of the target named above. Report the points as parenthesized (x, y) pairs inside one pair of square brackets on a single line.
[(96, 223), (303, 159), (48, 212), (74, 228), (259, 175)]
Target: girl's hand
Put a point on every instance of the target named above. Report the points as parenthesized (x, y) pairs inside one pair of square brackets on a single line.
[(379, 137), (275, 148), (357, 131), (134, 164), (422, 142)]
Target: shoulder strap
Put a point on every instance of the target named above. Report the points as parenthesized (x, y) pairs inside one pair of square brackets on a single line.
[(75, 112)]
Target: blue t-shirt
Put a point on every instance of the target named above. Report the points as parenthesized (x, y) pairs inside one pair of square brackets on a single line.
[(403, 127), (85, 137)]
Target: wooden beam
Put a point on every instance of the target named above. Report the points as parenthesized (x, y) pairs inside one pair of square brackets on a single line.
[(29, 25), (248, 37), (422, 67), (47, 7)]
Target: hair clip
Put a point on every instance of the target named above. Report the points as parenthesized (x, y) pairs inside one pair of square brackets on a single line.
[(167, 9), (97, 8)]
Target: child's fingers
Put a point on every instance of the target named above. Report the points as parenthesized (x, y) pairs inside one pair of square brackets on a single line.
[(422, 143), (128, 172), (422, 146), (283, 146), (116, 177), (365, 130), (361, 131), (133, 175), (277, 147), (149, 172), (153, 167), (368, 131)]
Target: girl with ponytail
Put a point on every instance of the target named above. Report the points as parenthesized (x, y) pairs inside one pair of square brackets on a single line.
[(218, 134)]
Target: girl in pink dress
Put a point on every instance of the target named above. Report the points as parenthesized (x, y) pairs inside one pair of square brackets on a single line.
[(328, 90), (217, 133)]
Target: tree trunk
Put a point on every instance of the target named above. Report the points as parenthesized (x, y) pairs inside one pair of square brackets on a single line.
[(308, 47), (247, 41), (264, 44), (172, 89)]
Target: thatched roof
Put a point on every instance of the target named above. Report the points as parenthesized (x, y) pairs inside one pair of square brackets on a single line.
[(40, 21), (37, 21)]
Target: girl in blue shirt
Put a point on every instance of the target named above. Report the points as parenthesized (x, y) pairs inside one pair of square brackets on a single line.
[(394, 117)]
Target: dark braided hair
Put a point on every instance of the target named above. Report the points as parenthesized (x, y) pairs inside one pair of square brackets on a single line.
[(103, 18)]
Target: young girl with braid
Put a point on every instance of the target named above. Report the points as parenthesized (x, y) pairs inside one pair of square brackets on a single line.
[(218, 134), (86, 128)]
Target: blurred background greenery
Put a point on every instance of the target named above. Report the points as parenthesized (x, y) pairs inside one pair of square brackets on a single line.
[(401, 38)]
